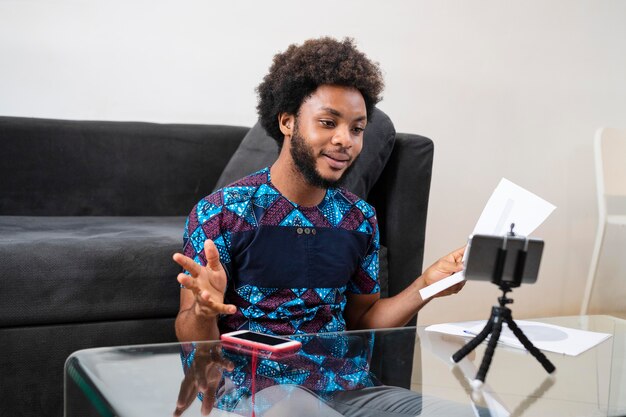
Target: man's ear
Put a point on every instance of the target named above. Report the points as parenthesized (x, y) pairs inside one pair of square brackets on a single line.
[(286, 123)]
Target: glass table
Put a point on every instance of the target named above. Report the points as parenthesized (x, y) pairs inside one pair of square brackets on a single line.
[(342, 373)]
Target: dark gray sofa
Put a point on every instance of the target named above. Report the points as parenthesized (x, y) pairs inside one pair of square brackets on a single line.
[(90, 214)]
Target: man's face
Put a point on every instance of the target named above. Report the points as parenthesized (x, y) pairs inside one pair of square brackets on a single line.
[(328, 134)]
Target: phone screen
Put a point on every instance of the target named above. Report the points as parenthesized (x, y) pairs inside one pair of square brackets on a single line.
[(261, 338)]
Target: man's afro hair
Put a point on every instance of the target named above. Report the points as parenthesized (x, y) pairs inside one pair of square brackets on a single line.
[(296, 73)]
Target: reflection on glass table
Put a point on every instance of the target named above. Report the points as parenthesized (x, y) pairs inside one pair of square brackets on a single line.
[(350, 373)]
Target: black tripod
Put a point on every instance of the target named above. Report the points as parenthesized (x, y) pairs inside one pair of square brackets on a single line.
[(500, 314)]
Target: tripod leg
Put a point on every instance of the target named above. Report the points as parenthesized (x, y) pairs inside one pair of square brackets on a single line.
[(477, 340), (545, 362), (491, 348)]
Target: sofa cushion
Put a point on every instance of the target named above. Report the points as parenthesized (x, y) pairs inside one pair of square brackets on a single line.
[(258, 150), (82, 269)]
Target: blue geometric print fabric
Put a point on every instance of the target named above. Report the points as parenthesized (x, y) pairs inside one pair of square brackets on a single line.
[(288, 266), (326, 364)]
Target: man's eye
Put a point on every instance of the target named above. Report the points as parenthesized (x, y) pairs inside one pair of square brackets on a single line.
[(358, 130), (327, 123)]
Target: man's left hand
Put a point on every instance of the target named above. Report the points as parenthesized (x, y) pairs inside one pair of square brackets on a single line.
[(444, 267)]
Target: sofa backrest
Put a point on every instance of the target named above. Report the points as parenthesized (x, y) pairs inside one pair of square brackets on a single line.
[(68, 168), (101, 168)]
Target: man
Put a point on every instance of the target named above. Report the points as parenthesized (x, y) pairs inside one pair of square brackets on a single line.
[(286, 250), (315, 102)]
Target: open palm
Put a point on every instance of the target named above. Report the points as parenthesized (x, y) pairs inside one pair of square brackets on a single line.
[(207, 283)]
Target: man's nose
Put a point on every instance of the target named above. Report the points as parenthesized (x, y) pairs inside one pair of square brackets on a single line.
[(342, 137)]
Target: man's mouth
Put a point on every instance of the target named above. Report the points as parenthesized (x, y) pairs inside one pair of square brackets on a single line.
[(337, 160)]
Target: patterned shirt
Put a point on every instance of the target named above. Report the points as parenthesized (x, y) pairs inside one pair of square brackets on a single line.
[(327, 363), (288, 266)]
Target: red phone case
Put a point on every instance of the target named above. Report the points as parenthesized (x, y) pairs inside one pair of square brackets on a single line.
[(249, 346)]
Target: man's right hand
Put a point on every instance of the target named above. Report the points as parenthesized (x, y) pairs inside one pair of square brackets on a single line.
[(203, 376), (207, 283)]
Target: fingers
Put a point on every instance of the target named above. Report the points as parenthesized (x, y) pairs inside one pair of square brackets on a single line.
[(453, 262), (458, 287), (225, 363), (208, 401), (187, 263), (212, 376), (212, 354), (452, 290), (457, 255), (449, 267), (203, 376), (187, 282), (186, 395), (212, 255), (444, 267), (455, 288), (206, 305)]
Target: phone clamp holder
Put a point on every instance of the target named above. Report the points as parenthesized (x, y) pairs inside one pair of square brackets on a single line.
[(501, 313)]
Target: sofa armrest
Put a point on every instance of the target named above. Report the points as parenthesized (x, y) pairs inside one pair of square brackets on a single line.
[(401, 200)]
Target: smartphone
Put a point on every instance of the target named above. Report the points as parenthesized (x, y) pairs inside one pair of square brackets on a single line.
[(483, 256), (261, 342)]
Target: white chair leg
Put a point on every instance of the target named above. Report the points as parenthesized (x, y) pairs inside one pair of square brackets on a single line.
[(593, 267)]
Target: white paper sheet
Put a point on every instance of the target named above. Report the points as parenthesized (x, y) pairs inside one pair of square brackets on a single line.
[(544, 336), (509, 203)]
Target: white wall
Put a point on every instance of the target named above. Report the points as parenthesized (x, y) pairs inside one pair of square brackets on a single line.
[(504, 88)]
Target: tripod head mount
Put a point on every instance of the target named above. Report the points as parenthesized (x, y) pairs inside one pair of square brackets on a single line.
[(503, 301)]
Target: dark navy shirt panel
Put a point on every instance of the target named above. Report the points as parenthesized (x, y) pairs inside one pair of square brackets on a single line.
[(296, 257)]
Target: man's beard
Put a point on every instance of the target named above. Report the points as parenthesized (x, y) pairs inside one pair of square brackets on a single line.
[(304, 160)]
